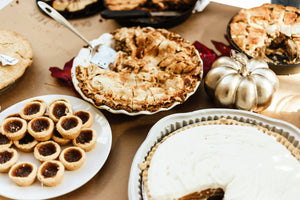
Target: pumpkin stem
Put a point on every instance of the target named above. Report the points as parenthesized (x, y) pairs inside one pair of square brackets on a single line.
[(242, 59)]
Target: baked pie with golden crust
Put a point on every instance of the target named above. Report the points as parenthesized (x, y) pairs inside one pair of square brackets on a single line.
[(23, 173), (14, 128), (27, 143), (269, 31), (72, 158), (153, 69), (45, 151), (8, 157), (51, 173)]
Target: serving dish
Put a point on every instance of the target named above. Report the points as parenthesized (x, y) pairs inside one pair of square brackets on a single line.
[(174, 122), (72, 180), (89, 10), (84, 57), (279, 68)]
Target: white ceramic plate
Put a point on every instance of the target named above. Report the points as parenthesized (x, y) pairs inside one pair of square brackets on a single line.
[(83, 58), (176, 121), (72, 180)]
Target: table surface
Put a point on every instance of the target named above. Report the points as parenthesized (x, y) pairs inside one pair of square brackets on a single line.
[(53, 45)]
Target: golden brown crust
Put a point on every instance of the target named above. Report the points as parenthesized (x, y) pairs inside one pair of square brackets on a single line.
[(32, 109), (59, 108), (269, 31), (9, 157), (27, 143), (72, 158), (86, 117), (51, 177), (14, 128), (145, 165), (154, 69), (41, 128), (87, 139), (22, 180), (46, 151), (14, 45), (69, 126)]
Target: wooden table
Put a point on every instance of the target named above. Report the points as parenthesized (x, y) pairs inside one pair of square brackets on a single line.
[(53, 45)]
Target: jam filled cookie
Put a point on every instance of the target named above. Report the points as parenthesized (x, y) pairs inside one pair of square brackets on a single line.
[(45, 151), (27, 143), (14, 128), (86, 118), (72, 158), (23, 173), (59, 139), (4, 141), (41, 128), (86, 139), (69, 126), (8, 157), (51, 173), (59, 108), (32, 109)]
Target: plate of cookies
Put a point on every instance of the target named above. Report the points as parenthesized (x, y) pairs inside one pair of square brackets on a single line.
[(51, 145)]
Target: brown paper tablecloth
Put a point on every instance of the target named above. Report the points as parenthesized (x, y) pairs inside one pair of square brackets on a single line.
[(53, 45)]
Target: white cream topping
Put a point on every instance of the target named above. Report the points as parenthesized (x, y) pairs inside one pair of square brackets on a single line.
[(246, 163)]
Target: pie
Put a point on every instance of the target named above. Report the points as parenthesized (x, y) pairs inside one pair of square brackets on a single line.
[(16, 46), (271, 32), (23, 173), (222, 159), (149, 4), (153, 69), (51, 173), (71, 5)]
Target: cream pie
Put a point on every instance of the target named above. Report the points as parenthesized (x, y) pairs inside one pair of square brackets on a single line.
[(45, 151), (8, 157), (51, 173), (153, 69), (23, 173), (14, 128), (231, 159), (269, 31), (72, 158), (41, 128), (16, 46)]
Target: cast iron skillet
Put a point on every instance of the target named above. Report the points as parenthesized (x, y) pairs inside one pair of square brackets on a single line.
[(89, 10), (156, 22), (280, 68)]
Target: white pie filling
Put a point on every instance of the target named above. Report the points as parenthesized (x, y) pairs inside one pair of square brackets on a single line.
[(246, 163)]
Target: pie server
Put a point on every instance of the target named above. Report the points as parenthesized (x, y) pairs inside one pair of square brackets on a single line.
[(101, 55)]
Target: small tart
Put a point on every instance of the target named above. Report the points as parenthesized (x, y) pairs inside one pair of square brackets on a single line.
[(13, 115), (5, 142), (86, 139), (51, 173), (72, 158), (69, 126), (41, 128), (32, 109), (86, 118), (58, 138), (23, 173), (14, 128), (59, 108), (27, 143), (8, 157), (45, 151)]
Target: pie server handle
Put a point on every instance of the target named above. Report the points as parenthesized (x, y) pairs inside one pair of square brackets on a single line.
[(122, 14)]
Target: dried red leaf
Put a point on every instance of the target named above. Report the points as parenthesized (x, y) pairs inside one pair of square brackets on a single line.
[(64, 74), (209, 56)]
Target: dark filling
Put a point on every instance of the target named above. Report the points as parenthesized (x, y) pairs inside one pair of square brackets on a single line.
[(57, 134), (14, 115), (50, 170), (3, 139), (22, 170), (32, 109), (209, 194), (40, 125), (73, 155), (84, 136), (26, 139), (13, 126), (69, 123), (5, 156), (47, 149), (60, 110), (83, 116)]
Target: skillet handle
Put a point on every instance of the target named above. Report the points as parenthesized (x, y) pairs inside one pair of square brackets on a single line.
[(124, 14)]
